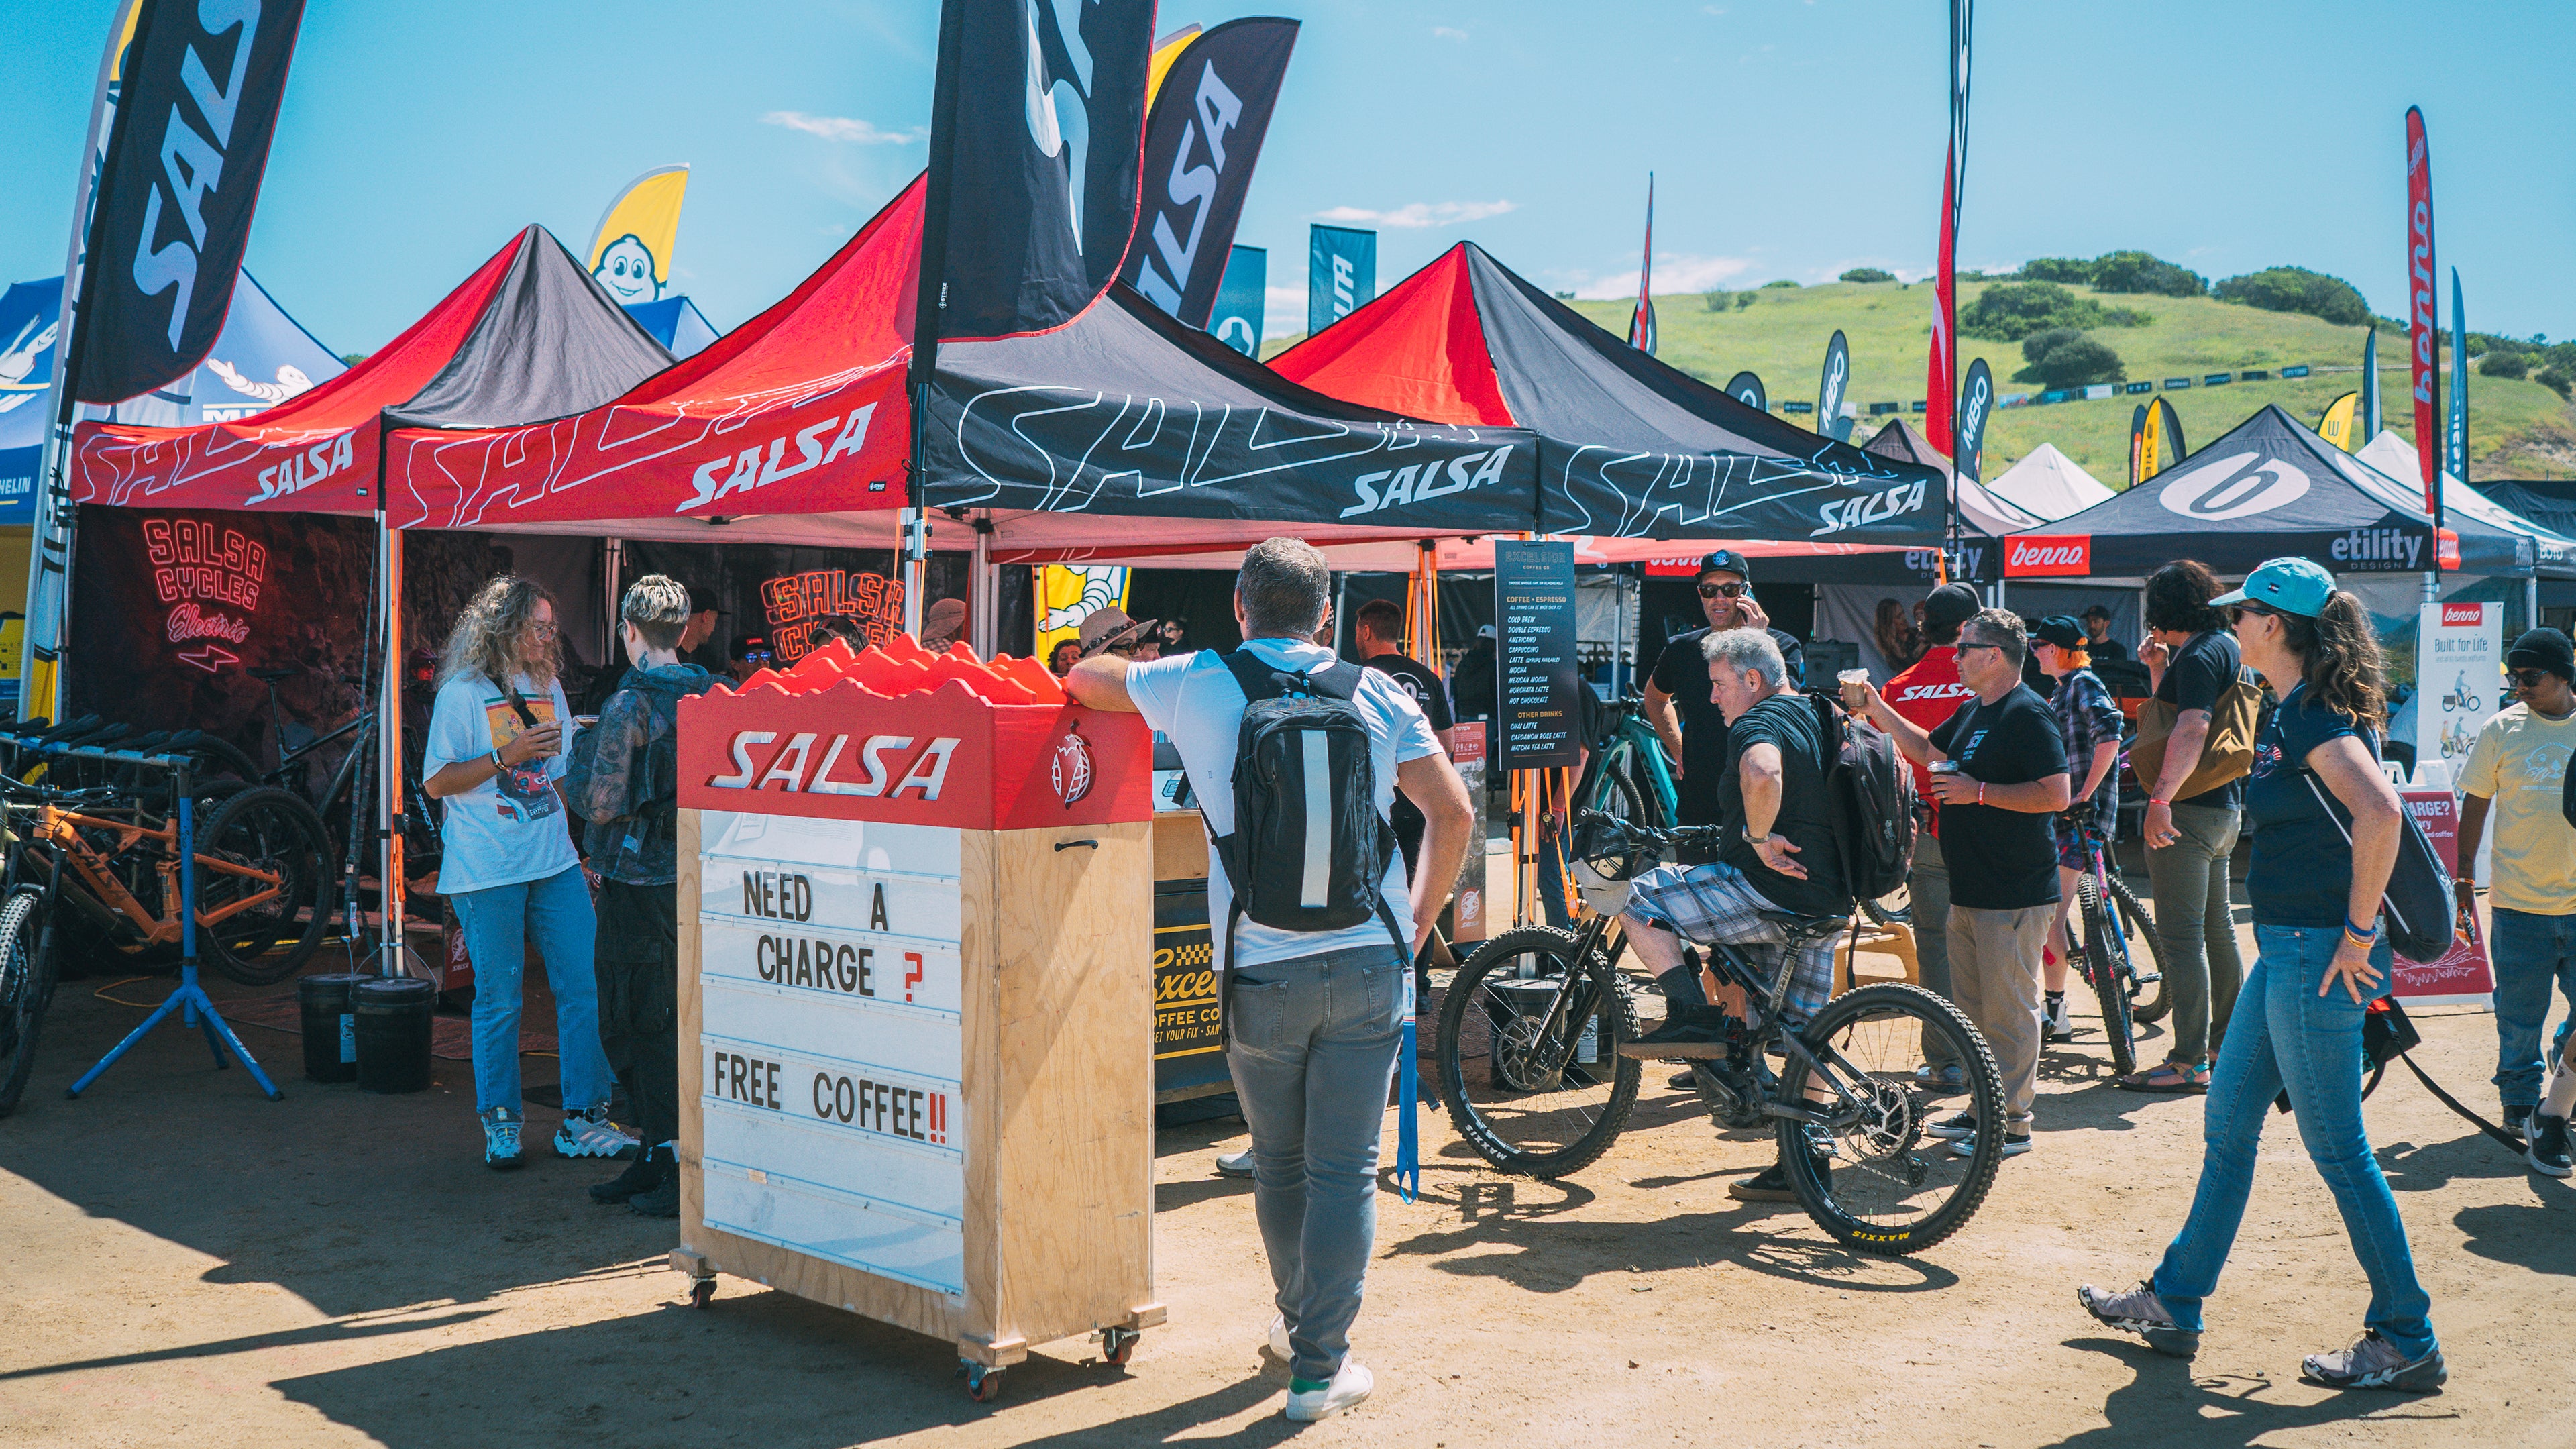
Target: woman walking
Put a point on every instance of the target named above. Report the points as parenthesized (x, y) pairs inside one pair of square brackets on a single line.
[(2320, 958), (494, 752), (2090, 722)]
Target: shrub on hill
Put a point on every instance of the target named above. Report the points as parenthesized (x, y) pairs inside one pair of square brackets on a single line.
[(2073, 360), (2072, 271), (2504, 364), (1781, 282), (2139, 273), (1867, 274), (2557, 379), (2296, 289), (2012, 312)]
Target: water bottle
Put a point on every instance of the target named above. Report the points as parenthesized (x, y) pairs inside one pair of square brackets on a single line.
[(1587, 1047)]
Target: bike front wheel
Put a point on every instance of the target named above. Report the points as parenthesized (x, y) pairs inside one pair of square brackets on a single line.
[(26, 984), (1537, 1091), (1874, 1177), (2106, 958), (1612, 853), (263, 886)]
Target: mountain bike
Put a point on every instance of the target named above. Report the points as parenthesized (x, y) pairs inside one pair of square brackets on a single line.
[(26, 945), (2098, 947), (1530, 1072), (1626, 779), (2148, 999)]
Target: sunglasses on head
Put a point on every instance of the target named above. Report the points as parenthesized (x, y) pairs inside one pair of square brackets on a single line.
[(2531, 678), (1724, 591)]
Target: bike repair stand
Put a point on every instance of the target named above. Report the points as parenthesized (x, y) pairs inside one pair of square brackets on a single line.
[(195, 1008)]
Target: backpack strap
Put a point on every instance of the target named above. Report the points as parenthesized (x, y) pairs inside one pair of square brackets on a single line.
[(1261, 679)]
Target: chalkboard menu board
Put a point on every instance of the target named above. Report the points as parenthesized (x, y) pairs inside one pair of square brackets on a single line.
[(1534, 614)]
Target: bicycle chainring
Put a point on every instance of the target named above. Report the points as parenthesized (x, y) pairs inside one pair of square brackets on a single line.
[(1889, 1125), (1520, 1049)]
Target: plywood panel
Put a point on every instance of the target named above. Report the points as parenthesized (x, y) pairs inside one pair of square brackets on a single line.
[(1180, 847)]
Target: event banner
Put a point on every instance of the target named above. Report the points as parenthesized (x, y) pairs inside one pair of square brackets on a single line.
[(193, 124), (1036, 131), (1943, 353), (630, 253), (2455, 441), (2155, 440), (1534, 615), (1830, 389), (2423, 329), (1242, 300), (1641, 319), (1341, 274), (29, 314), (1210, 114), (2370, 383), (2464, 976), (1976, 405), (1746, 388), (2337, 426), (2459, 662)]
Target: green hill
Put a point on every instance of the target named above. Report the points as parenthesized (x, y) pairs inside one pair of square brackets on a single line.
[(2517, 428)]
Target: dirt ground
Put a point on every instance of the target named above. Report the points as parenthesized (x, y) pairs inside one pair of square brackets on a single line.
[(195, 1265)]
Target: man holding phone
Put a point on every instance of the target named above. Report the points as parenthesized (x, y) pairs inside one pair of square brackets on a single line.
[(1690, 724)]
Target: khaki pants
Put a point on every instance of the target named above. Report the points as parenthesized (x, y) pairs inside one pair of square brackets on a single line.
[(1994, 977)]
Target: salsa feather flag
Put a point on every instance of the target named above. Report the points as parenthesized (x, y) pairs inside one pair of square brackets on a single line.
[(1830, 389), (1641, 321), (2423, 328), (1210, 112), (2456, 440), (2336, 428), (630, 252)]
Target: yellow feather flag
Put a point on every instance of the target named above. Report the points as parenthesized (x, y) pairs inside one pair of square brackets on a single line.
[(2337, 427), (1166, 50), (631, 255)]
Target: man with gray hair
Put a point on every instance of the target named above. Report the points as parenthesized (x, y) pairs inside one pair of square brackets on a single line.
[(1779, 855), (1314, 1019)]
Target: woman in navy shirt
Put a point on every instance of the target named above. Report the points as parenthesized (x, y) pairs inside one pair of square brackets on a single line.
[(2321, 958)]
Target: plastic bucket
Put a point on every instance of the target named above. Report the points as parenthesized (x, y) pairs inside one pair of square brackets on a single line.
[(330, 1032), (392, 1031)]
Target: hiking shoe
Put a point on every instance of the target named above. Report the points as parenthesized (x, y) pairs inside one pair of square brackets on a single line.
[(1277, 1340), (1691, 1033), (2517, 1120), (1234, 1164), (1957, 1128), (1771, 1184), (2374, 1363), (501, 1139), (1685, 1080), (643, 1174), (2141, 1312), (2015, 1144), (1946, 1081), (663, 1201), (2548, 1150), (589, 1133), (1350, 1385), (2054, 1024)]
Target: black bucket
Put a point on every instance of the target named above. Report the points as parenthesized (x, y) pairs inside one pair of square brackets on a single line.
[(330, 1033), (393, 1032)]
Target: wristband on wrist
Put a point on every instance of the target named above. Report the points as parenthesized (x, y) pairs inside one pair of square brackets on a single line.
[(1981, 792), (496, 762), (2357, 933)]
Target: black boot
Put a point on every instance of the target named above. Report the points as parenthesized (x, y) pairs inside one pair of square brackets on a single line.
[(644, 1172), (1689, 1033)]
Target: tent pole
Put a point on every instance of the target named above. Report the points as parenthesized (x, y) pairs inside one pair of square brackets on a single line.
[(389, 755), (984, 593), (2531, 601), (612, 570)]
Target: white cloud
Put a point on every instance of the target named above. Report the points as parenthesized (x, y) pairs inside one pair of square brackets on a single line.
[(1421, 213), (1674, 272), (844, 128), (1447, 32), (1283, 312)]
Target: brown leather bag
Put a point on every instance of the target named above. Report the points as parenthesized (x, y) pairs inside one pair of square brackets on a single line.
[(2228, 752)]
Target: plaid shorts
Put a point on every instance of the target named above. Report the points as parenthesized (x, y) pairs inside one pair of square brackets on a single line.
[(1714, 903)]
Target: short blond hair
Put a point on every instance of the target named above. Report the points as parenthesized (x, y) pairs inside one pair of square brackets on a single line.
[(658, 606)]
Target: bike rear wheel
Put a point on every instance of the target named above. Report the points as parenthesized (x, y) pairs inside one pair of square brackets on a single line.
[(2150, 1002), (273, 919), (26, 986), (2105, 945), (1519, 1090), (1873, 1179)]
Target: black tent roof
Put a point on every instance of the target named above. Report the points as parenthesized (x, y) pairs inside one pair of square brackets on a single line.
[(2266, 489), (549, 344)]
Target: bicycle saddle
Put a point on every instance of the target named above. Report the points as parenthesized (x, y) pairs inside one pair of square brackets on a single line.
[(1800, 929), (275, 673)]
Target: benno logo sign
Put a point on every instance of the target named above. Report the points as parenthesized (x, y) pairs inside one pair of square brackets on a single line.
[(2228, 488), (2463, 616), (2063, 554)]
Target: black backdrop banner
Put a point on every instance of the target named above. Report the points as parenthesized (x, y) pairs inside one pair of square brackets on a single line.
[(193, 124), (1200, 146)]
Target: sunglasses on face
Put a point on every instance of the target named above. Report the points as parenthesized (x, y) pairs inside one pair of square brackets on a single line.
[(2238, 613), (2531, 678), (1724, 591), (1963, 647)]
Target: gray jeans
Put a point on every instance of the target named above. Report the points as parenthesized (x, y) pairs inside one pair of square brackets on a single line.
[(1927, 886), (2197, 928), (1312, 1046)]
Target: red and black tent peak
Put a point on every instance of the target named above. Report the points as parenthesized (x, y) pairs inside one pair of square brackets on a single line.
[(551, 342), (1628, 445)]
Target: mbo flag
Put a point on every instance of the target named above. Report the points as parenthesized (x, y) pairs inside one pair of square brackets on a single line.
[(1036, 130), (1830, 388), (193, 124), (1341, 274), (1236, 321), (2422, 297), (1201, 141), (1976, 404)]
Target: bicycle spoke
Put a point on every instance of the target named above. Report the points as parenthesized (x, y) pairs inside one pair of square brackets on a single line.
[(1887, 1173)]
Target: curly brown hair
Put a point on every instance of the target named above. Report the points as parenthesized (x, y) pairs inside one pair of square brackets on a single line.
[(2339, 659), (492, 636), (2178, 598)]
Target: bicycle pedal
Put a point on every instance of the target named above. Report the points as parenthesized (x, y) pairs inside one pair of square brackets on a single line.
[(2148, 978)]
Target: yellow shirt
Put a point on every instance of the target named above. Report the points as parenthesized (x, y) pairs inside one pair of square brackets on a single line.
[(2520, 762)]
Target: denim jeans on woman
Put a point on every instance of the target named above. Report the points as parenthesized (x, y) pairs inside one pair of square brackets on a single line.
[(2197, 928), (555, 913), (2292, 1037), (2531, 951), (1312, 1045)]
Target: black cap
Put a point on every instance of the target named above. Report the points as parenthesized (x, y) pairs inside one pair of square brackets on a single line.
[(1727, 560), (746, 645), (1950, 606), (2060, 630), (701, 598), (2543, 649), (2098, 611)]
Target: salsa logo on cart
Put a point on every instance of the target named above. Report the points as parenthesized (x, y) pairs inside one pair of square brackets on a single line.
[(927, 772), (795, 603)]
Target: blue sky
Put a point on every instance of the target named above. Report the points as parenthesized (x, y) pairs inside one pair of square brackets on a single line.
[(1791, 138)]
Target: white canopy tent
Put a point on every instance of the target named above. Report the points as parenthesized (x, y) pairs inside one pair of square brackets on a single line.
[(2050, 484)]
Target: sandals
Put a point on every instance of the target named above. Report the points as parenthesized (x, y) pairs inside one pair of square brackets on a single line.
[(2170, 1079)]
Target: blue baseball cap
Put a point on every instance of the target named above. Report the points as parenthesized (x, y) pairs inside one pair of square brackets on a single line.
[(2287, 585)]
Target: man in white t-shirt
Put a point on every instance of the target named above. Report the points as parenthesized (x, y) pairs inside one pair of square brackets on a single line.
[(1314, 1019)]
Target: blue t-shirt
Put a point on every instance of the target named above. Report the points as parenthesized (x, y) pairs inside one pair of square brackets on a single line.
[(2302, 872)]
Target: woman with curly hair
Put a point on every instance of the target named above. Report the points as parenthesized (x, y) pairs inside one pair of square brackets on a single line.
[(494, 751)]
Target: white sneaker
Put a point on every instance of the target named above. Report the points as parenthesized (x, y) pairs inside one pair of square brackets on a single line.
[(589, 1133), (1234, 1164), (1350, 1386), (2056, 1024), (1279, 1337)]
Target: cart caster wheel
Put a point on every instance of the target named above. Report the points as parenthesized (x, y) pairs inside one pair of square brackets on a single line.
[(1118, 1345), (702, 1292), (983, 1385)]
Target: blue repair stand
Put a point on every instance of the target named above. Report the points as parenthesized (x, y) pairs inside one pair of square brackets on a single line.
[(195, 1008)]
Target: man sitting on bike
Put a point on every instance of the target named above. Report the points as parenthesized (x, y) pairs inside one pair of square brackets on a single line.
[(1780, 856)]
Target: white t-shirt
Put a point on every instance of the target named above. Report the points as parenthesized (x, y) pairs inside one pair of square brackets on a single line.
[(1193, 699), (510, 828)]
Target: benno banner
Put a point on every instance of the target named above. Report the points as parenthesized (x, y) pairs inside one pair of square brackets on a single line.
[(1200, 145), (184, 160), (2422, 297)]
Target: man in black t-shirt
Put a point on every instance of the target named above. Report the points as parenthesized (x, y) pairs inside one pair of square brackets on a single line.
[(2097, 637), (1692, 727), (1998, 766), (1378, 632), (1781, 858)]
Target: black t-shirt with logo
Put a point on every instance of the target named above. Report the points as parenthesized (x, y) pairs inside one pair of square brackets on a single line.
[(1682, 672), (2002, 860), (1788, 722), (2199, 674)]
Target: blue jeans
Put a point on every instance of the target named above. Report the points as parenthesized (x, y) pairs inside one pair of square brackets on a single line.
[(2529, 952), (2290, 1036), (1312, 1045), (556, 913)]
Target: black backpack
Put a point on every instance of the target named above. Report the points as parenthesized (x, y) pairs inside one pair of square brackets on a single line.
[(2418, 903), (1309, 848), (1873, 800)]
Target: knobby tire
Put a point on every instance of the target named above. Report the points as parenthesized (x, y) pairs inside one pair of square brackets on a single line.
[(1618, 1022)]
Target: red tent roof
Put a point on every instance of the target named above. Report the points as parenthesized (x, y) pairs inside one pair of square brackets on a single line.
[(801, 409), (1418, 350)]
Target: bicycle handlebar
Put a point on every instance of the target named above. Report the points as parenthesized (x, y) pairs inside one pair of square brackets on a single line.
[(1696, 835)]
